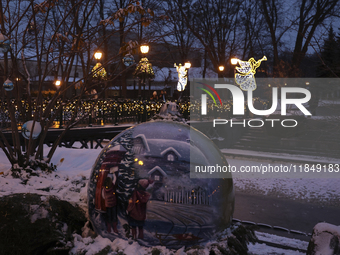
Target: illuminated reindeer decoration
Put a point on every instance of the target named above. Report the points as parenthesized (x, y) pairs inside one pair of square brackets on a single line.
[(245, 77)]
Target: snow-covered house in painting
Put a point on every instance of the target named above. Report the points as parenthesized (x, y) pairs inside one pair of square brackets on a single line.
[(157, 175), (167, 163)]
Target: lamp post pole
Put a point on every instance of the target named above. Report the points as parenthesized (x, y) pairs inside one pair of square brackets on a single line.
[(220, 69), (98, 56), (58, 85), (234, 62), (187, 65), (144, 49), (99, 72)]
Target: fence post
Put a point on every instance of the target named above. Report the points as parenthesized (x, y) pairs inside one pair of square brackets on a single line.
[(90, 119), (144, 113), (116, 119), (61, 116)]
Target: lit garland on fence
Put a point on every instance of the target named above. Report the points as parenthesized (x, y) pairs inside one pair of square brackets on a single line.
[(125, 111)]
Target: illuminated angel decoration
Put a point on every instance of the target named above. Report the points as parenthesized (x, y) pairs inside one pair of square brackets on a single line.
[(182, 76), (245, 77)]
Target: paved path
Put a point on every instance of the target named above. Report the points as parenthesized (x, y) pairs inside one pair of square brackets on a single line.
[(276, 157), (295, 215)]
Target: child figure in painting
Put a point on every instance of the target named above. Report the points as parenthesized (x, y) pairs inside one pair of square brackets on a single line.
[(109, 195), (137, 208), (108, 168)]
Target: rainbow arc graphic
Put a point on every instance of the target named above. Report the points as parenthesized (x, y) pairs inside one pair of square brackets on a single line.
[(210, 94)]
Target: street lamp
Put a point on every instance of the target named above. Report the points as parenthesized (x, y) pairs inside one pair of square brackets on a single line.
[(98, 70), (57, 83), (144, 48), (234, 61), (16, 84), (144, 70), (98, 55), (187, 65), (220, 71)]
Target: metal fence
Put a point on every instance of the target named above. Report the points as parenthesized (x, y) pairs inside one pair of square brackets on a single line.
[(108, 111), (87, 112)]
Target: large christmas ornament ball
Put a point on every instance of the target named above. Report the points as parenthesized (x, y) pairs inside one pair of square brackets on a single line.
[(140, 187), (26, 129), (8, 85), (128, 60)]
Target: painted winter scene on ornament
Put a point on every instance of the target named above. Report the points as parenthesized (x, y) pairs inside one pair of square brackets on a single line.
[(140, 187)]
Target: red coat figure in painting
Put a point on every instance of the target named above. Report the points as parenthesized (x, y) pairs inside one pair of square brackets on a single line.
[(109, 195), (137, 208), (110, 165), (103, 172)]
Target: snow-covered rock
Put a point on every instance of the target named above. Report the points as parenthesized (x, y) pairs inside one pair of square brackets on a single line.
[(36, 224), (325, 240)]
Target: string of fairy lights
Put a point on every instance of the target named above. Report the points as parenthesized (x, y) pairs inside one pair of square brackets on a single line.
[(110, 110)]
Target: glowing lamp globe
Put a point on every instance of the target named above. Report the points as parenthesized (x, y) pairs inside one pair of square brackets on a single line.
[(98, 55), (140, 187), (234, 61), (187, 65), (144, 49), (221, 68), (8, 85), (27, 127)]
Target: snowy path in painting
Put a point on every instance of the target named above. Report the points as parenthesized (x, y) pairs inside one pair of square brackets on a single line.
[(69, 182), (179, 219)]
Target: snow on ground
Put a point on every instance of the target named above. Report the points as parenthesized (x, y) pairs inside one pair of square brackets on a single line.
[(93, 246), (69, 182), (318, 190), (329, 102), (274, 156), (258, 248), (291, 242)]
